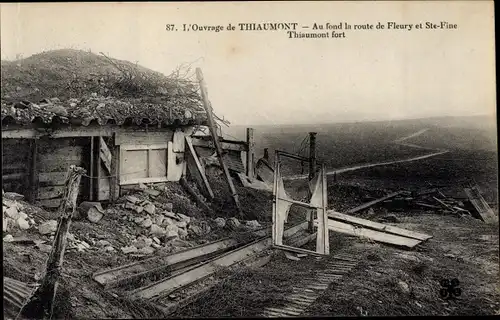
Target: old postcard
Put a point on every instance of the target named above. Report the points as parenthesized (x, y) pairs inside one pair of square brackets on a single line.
[(249, 159)]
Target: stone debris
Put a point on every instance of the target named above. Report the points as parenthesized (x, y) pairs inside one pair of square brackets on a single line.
[(220, 222), (8, 238), (172, 231), (48, 227), (253, 225), (146, 223), (129, 249), (233, 224), (199, 228), (150, 208), (157, 230)]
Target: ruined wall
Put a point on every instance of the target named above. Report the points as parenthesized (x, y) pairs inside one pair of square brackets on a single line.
[(54, 158), (15, 165)]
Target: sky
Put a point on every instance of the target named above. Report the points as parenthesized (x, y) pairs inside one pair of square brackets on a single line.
[(265, 77)]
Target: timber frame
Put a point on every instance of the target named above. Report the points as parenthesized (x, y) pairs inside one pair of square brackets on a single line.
[(318, 204)]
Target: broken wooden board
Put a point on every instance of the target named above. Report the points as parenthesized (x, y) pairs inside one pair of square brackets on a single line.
[(129, 272), (377, 226), (198, 170), (374, 202), (254, 183), (481, 206), (378, 236), (167, 286), (264, 172)]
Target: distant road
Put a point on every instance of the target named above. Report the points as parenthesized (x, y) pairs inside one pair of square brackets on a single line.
[(435, 152)]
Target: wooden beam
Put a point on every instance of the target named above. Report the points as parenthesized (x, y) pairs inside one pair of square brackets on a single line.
[(91, 169), (105, 154), (377, 226), (199, 172), (114, 183), (197, 142), (33, 171), (371, 203), (218, 148), (250, 154), (20, 134)]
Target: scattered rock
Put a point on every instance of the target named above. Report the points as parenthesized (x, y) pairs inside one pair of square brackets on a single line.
[(150, 208), (200, 228), (12, 212), (220, 222), (172, 231), (181, 224), (103, 243), (129, 249), (94, 215), (157, 230), (13, 196), (142, 186), (155, 239), (138, 220), (159, 220), (44, 247), (183, 234), (129, 206), (8, 238), (146, 250), (169, 207), (182, 217), (132, 199), (109, 248), (48, 227), (138, 209), (170, 214), (23, 224), (167, 221), (253, 225), (152, 192), (233, 224), (403, 286), (147, 223)]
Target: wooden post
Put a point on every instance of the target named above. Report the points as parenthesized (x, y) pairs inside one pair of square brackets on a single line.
[(91, 169), (312, 171), (33, 172), (215, 137), (250, 153), (41, 303), (114, 181)]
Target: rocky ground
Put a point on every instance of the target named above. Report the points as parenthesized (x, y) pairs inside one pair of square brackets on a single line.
[(147, 221)]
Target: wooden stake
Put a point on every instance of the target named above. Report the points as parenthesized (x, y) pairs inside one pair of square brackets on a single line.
[(250, 153), (41, 304), (312, 171), (215, 137)]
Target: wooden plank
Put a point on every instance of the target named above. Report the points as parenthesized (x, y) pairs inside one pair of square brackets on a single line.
[(143, 138), (91, 167), (45, 193), (480, 205), (132, 147), (378, 236), (114, 182), (218, 148), (105, 154), (20, 134), (239, 146), (144, 180), (50, 203), (52, 178), (109, 276), (264, 171), (14, 176), (166, 286), (200, 172), (371, 203), (250, 170), (377, 226)]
